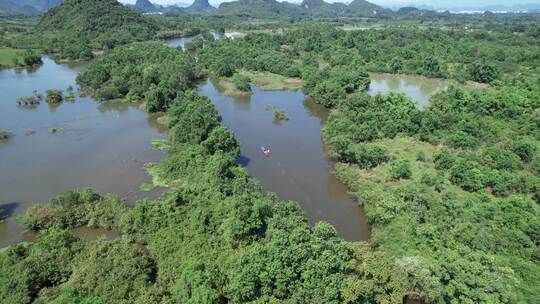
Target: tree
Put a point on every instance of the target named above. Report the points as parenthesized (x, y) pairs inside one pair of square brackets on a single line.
[(401, 170), (54, 96), (483, 72), (242, 82)]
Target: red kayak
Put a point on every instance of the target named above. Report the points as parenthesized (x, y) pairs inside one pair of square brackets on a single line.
[(265, 151)]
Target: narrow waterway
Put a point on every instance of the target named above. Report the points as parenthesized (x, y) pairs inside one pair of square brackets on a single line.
[(297, 168), (98, 145)]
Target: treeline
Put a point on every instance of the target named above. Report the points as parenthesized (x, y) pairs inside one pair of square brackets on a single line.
[(479, 56)]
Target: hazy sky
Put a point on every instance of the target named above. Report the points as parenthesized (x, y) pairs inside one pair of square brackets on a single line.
[(435, 3)]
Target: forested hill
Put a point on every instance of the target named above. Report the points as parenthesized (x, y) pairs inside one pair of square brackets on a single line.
[(259, 9), (312, 8), (94, 23), (145, 6), (200, 6)]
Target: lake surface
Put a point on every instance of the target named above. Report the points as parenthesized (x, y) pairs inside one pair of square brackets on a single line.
[(297, 168), (101, 145), (420, 89)]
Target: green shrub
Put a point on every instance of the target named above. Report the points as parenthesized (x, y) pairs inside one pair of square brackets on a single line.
[(468, 175), (524, 148), (421, 156), (54, 96), (280, 114), (366, 156), (443, 159), (483, 72), (242, 82), (401, 170)]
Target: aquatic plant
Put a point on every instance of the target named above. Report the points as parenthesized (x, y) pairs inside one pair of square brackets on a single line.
[(280, 114), (55, 130), (27, 101), (29, 132), (5, 135), (54, 96), (145, 187), (160, 144), (71, 94)]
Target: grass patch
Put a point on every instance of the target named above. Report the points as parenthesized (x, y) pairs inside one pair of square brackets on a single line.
[(163, 120), (419, 156), (270, 81), (160, 144), (153, 171), (265, 80), (228, 88), (145, 187), (8, 56)]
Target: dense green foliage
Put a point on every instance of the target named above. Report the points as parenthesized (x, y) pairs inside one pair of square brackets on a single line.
[(150, 72), (54, 96), (467, 202), (78, 26), (451, 192)]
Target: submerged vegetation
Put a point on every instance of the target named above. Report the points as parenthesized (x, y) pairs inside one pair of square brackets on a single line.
[(54, 96), (5, 135), (451, 192), (280, 115)]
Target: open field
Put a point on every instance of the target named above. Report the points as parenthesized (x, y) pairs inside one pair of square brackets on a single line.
[(7, 55)]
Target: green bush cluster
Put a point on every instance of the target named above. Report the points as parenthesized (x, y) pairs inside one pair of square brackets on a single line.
[(150, 72)]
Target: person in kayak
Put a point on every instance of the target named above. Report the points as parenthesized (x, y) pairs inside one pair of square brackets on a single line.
[(265, 151)]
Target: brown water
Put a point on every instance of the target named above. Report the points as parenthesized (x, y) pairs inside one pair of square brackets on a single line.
[(102, 145), (297, 168), (420, 89)]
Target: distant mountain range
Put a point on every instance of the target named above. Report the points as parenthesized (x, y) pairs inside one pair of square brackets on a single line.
[(316, 8), (468, 7), (262, 8), (27, 7)]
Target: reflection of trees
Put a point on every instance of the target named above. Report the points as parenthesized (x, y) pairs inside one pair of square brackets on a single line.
[(316, 110), (28, 107), (53, 106), (242, 103), (152, 120), (394, 82), (115, 106)]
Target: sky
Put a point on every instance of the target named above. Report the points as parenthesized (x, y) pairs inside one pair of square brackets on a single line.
[(390, 3)]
